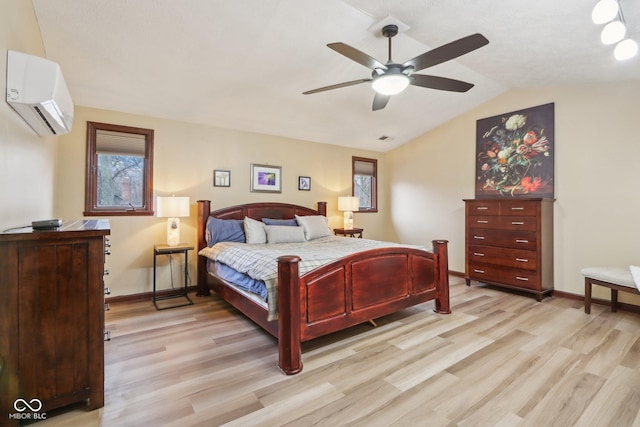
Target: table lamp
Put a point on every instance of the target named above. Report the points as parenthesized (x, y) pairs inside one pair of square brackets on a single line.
[(348, 205), (172, 208)]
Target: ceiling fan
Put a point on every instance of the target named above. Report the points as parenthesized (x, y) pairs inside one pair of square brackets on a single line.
[(392, 78)]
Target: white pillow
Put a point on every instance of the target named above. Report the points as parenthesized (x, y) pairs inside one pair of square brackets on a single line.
[(254, 230), (284, 234), (315, 226)]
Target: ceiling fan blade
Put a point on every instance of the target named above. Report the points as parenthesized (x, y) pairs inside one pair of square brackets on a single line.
[(357, 55), (380, 101), (336, 86), (440, 83), (446, 52)]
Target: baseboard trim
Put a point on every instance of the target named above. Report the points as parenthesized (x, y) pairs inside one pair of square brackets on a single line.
[(621, 305), (146, 296)]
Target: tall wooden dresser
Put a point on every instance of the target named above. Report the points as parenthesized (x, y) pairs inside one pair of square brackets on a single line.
[(509, 243), (52, 318)]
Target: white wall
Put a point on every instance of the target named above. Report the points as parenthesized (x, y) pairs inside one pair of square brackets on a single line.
[(27, 161), (185, 156), (597, 152)]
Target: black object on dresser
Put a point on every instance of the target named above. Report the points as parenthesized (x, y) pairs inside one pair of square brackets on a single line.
[(509, 243), (52, 326)]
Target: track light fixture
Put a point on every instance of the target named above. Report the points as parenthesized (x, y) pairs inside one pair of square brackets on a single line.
[(609, 12)]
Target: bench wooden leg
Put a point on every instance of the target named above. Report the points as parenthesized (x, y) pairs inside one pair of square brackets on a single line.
[(614, 300), (587, 295)]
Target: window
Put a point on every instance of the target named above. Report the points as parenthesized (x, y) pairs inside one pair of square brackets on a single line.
[(365, 185), (119, 176)]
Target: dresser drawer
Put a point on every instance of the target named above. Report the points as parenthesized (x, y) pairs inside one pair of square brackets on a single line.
[(503, 256), (478, 207), (512, 223), (504, 275), (518, 208), (526, 240)]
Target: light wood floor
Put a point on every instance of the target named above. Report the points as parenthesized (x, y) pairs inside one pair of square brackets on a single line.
[(498, 360)]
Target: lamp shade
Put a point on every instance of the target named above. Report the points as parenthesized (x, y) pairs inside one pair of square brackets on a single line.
[(613, 32), (626, 49), (172, 207), (604, 11), (348, 204)]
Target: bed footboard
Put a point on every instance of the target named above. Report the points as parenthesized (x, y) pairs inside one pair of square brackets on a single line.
[(353, 290)]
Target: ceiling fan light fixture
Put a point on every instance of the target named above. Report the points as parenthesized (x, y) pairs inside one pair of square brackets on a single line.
[(390, 84), (604, 11), (626, 49), (613, 32)]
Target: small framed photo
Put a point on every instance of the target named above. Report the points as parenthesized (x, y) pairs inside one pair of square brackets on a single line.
[(266, 179), (221, 178), (304, 183)]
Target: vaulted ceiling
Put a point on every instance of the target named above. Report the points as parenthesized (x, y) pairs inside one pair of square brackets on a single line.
[(244, 64)]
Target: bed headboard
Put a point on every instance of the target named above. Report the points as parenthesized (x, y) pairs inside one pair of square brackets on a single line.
[(255, 211)]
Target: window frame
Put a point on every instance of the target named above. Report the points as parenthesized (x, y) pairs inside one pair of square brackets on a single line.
[(91, 175), (374, 186)]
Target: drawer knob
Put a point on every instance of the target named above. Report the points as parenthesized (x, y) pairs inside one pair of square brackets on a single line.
[(479, 237), (522, 260), (482, 221), (521, 241), (517, 209), (478, 254), (475, 270), (524, 279), (517, 223), (482, 208)]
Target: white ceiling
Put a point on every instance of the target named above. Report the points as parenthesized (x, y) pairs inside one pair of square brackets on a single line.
[(243, 64)]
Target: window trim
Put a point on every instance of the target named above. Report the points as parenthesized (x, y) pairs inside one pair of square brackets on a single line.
[(91, 175), (374, 189)]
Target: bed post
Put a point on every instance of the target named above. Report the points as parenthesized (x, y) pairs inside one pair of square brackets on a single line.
[(442, 278), (322, 208), (289, 347), (204, 208)]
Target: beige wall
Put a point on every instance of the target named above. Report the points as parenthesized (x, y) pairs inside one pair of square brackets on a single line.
[(596, 179), (185, 156), (422, 183), (27, 161)]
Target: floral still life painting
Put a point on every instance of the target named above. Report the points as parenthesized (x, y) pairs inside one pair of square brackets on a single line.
[(514, 154)]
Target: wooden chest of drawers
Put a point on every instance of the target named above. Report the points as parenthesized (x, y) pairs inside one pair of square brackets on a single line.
[(509, 243), (52, 324)]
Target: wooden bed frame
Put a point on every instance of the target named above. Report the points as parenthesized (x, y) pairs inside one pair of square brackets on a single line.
[(344, 293)]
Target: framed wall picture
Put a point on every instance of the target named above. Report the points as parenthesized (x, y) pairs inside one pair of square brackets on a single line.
[(514, 154), (221, 178), (266, 179), (304, 183)]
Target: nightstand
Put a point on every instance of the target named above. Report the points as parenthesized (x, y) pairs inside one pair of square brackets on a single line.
[(353, 232), (169, 250)]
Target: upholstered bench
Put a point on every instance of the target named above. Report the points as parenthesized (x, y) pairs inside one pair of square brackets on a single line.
[(615, 278)]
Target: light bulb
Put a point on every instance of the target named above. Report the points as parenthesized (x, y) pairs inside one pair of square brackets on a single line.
[(613, 32), (604, 11), (626, 49)]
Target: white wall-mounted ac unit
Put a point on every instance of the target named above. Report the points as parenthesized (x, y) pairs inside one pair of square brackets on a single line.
[(37, 91)]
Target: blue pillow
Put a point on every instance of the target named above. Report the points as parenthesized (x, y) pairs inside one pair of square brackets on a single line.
[(224, 230), (289, 222)]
